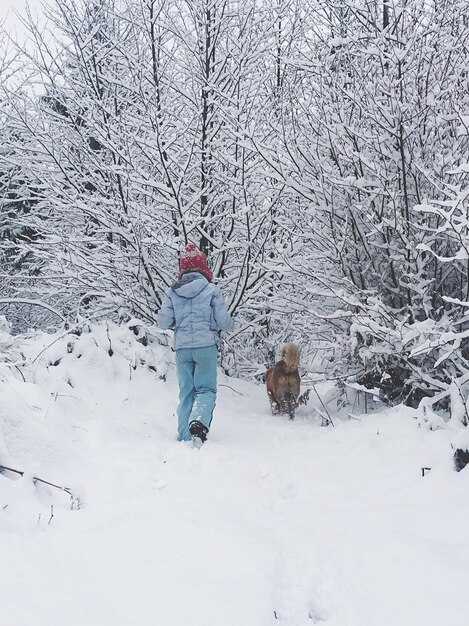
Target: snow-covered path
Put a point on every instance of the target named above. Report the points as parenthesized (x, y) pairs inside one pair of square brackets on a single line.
[(271, 522)]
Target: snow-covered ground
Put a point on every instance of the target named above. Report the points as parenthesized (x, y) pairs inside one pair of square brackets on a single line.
[(271, 522)]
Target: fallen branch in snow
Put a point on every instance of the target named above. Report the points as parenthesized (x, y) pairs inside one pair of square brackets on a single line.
[(68, 331), (3, 468), (10, 362), (232, 389), (110, 351), (324, 407), (61, 336), (324, 420), (75, 501)]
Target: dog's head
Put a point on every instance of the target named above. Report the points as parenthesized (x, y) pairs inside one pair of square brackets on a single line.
[(291, 356)]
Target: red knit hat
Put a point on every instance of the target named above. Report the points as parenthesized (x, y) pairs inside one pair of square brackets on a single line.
[(193, 259)]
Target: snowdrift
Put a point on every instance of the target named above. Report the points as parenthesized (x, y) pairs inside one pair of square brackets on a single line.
[(272, 522)]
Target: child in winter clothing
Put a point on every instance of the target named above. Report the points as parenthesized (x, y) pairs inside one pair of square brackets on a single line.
[(194, 308)]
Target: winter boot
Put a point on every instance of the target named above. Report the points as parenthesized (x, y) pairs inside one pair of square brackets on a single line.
[(198, 432)]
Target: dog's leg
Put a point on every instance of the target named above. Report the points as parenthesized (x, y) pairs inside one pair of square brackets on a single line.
[(273, 403), (290, 404)]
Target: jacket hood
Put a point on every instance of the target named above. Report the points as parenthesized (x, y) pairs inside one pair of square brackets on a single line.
[(190, 285)]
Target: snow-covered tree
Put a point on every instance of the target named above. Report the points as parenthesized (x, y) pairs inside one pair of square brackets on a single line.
[(377, 130), (316, 152)]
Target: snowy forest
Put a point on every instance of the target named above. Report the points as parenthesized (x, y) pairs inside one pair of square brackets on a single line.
[(317, 153)]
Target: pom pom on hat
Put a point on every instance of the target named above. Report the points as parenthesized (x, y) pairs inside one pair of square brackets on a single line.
[(193, 259)]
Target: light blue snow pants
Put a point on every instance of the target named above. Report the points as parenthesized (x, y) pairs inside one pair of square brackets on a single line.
[(197, 376)]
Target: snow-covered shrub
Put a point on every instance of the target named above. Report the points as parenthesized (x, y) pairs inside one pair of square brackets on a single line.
[(380, 141), (422, 353), (414, 362), (119, 348), (151, 153), (328, 188)]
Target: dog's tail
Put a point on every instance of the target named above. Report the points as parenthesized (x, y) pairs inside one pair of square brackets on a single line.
[(291, 356)]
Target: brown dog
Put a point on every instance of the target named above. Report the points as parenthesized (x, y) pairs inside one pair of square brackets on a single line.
[(283, 382)]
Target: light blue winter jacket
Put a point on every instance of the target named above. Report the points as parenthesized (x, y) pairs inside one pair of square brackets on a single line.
[(195, 310)]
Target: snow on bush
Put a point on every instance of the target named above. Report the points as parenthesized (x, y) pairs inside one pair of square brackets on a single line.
[(48, 382)]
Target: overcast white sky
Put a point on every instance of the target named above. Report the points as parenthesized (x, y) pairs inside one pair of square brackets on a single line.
[(8, 8)]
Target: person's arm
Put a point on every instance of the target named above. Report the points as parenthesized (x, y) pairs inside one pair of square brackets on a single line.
[(165, 317), (222, 318)]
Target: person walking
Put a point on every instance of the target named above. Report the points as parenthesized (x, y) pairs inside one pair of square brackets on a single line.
[(194, 308)]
